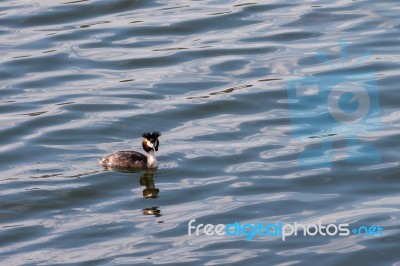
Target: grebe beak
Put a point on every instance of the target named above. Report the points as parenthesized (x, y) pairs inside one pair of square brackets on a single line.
[(152, 146)]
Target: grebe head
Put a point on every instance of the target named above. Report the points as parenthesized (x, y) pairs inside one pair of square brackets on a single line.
[(150, 141)]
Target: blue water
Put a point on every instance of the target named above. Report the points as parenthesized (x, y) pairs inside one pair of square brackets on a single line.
[(270, 111)]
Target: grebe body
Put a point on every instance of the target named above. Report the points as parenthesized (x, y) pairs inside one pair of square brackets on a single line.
[(134, 159)]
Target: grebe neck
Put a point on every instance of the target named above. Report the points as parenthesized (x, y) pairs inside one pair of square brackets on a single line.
[(151, 160)]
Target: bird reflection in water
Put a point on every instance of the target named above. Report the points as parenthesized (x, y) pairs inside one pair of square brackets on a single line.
[(152, 211), (150, 191), (147, 180)]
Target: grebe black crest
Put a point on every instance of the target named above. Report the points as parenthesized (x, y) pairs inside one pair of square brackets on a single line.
[(134, 159)]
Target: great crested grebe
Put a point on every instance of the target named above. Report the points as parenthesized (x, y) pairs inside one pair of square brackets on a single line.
[(134, 159)]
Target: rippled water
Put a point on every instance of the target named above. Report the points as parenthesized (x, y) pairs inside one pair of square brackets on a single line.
[(81, 79)]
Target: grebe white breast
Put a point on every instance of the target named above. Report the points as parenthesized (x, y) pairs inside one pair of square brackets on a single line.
[(134, 159)]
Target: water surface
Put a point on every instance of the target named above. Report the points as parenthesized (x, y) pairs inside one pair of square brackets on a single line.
[(81, 79)]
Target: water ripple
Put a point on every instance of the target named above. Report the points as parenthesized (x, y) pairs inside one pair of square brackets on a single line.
[(80, 79)]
